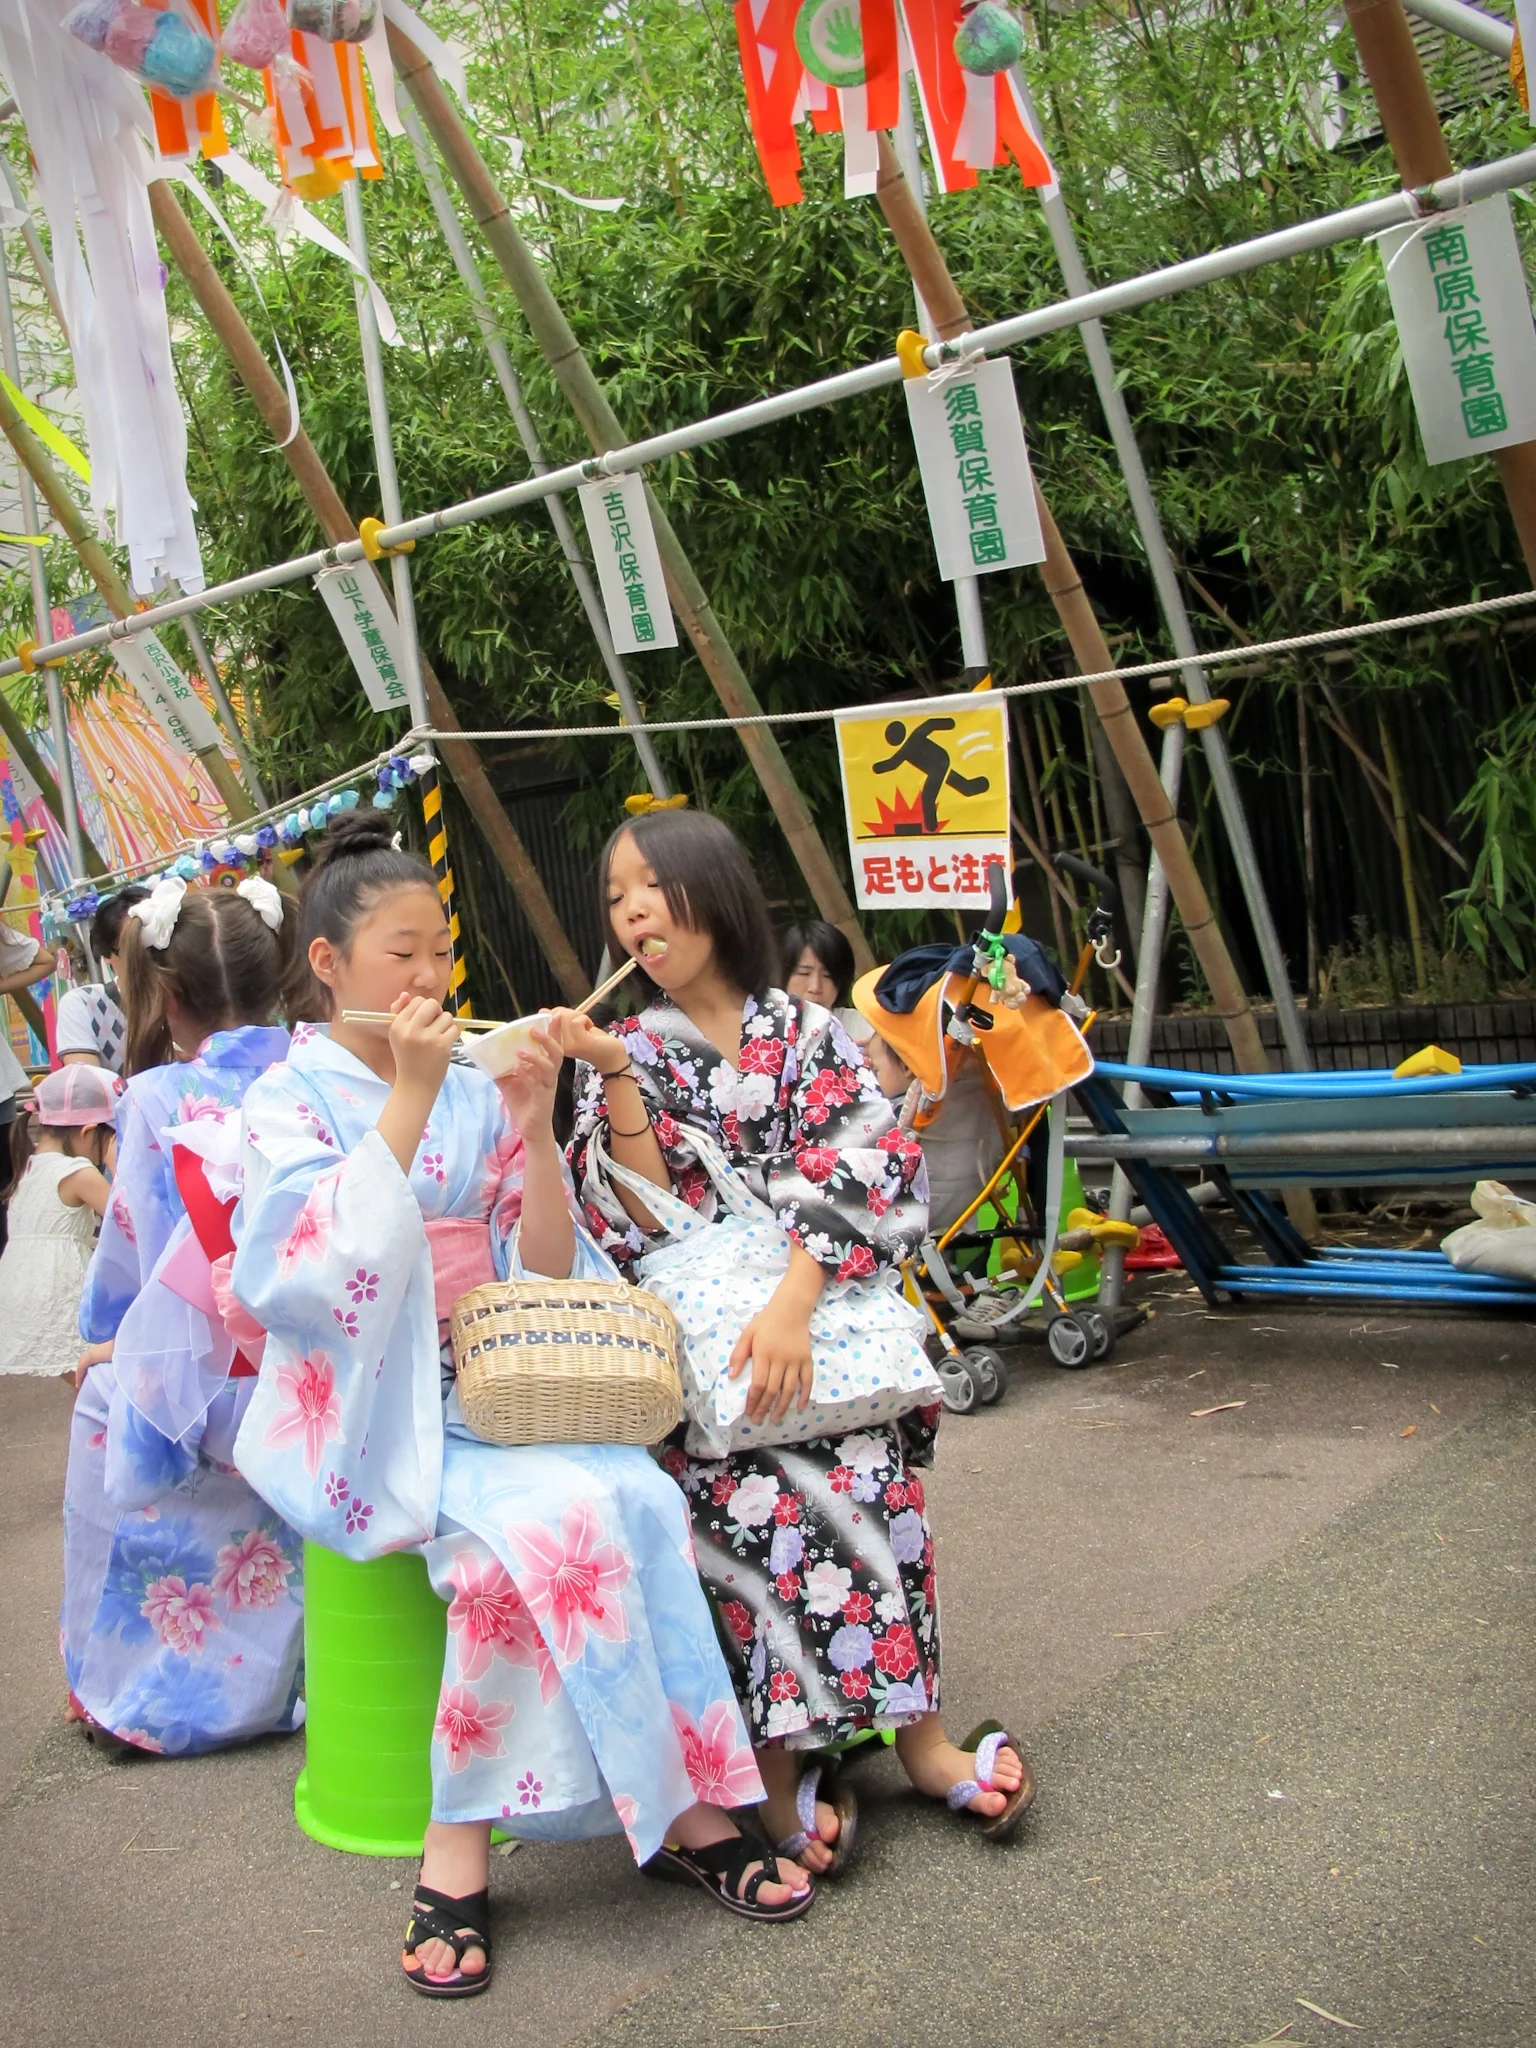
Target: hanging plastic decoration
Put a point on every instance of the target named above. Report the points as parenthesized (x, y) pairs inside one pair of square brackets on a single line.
[(256, 32), (840, 64), (158, 45), (334, 21), (322, 125)]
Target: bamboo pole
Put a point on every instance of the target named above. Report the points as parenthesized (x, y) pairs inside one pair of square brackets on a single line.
[(561, 350), (335, 522), (512, 391), (1412, 126), (103, 572), (1064, 586)]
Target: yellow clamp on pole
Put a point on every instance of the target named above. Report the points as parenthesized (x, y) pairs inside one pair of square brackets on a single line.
[(909, 352), (368, 531), (1193, 717), (437, 853), (25, 654), (641, 806)]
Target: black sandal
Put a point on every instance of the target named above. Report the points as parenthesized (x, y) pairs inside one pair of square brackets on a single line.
[(719, 1869), (463, 1924)]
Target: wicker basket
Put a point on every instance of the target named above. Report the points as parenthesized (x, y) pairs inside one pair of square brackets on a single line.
[(566, 1362)]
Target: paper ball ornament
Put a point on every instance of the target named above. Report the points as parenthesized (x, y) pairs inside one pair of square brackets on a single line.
[(989, 38)]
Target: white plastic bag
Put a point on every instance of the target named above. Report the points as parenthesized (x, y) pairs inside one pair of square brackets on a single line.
[(1502, 1241), (866, 1338)]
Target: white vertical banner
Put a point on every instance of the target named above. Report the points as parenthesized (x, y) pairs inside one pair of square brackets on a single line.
[(975, 468), (170, 699), (370, 632), (1463, 313), (623, 546)]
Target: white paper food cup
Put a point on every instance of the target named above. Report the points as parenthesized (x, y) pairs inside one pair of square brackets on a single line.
[(494, 1051)]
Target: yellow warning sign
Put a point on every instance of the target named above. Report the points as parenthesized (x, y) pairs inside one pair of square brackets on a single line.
[(925, 786)]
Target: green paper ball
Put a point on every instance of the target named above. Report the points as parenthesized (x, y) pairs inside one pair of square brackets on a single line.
[(988, 39)]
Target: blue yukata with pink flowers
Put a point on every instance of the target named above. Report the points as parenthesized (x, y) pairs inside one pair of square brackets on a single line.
[(583, 1686), (182, 1625)]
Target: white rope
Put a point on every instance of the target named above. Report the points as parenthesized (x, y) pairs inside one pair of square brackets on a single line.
[(1258, 651)]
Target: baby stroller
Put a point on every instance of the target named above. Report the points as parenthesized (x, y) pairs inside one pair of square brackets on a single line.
[(990, 1030)]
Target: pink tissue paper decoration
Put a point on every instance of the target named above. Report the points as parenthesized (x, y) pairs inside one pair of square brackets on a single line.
[(255, 33), (91, 20)]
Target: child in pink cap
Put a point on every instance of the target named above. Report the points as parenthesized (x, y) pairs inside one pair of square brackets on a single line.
[(56, 1200)]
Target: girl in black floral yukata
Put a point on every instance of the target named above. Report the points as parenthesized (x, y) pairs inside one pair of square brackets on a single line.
[(817, 1556)]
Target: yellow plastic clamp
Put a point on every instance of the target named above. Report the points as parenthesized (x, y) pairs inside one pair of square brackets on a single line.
[(1430, 1059), (368, 532), (1194, 717), (909, 352), (641, 806), (25, 653)]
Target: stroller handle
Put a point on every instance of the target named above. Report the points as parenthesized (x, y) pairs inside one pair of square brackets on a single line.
[(997, 883), (1068, 863)]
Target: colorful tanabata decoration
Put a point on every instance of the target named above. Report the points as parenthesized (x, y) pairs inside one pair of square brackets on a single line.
[(840, 62)]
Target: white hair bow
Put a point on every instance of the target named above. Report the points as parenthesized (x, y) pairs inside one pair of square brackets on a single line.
[(159, 913), (263, 899)]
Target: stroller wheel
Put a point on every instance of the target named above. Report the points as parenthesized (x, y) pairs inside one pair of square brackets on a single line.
[(990, 1370), (1101, 1329), (961, 1385), (1069, 1341)]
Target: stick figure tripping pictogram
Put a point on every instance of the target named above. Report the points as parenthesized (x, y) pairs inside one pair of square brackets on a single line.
[(919, 749)]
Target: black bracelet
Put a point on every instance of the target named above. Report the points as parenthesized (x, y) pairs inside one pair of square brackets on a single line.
[(613, 1133), (625, 1072)]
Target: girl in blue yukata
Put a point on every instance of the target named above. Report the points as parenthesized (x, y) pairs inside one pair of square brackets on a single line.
[(584, 1690), (182, 1628)]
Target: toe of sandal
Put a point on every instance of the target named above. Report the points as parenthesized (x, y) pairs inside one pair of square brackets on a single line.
[(460, 1923), (986, 1741), (843, 1801), (719, 1870)]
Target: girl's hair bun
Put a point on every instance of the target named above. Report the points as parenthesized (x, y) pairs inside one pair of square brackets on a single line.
[(356, 832)]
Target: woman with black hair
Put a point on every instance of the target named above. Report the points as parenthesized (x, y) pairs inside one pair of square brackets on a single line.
[(817, 1557), (818, 966)]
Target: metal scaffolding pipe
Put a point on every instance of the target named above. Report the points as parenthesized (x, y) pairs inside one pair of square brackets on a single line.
[(1470, 23), (1397, 209), (512, 391)]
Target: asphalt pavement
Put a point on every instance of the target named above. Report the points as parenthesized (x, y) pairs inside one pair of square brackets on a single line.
[(1272, 1663)]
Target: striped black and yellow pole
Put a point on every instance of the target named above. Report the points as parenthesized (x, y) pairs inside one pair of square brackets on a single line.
[(442, 869)]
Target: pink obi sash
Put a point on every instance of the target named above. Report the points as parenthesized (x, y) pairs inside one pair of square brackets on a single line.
[(461, 1259)]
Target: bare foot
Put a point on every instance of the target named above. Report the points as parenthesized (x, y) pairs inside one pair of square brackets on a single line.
[(780, 1770), (934, 1764), (702, 1826)]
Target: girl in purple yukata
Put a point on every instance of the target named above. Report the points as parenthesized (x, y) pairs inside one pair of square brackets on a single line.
[(818, 1556), (182, 1627), (583, 1689)]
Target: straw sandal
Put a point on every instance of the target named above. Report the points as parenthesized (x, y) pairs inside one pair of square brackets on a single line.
[(987, 1741), (845, 1805), (719, 1869), (462, 1924)]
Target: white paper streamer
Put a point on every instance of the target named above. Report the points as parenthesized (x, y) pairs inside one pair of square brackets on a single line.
[(592, 205), (84, 119), (446, 59), (255, 186), (184, 176)]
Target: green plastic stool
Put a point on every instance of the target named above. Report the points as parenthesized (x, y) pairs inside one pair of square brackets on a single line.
[(374, 1636)]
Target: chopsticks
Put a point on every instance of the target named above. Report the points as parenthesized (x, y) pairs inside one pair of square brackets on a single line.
[(388, 1017), (498, 1023)]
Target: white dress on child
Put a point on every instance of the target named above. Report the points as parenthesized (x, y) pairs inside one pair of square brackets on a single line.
[(48, 1249)]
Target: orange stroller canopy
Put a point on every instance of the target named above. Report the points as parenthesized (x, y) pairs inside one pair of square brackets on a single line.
[(1032, 1052)]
